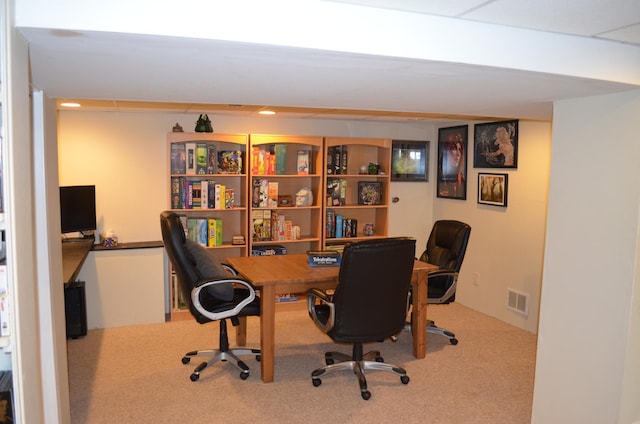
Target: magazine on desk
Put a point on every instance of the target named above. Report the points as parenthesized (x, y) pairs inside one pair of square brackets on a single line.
[(324, 258)]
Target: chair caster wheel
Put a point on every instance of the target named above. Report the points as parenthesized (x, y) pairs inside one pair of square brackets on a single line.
[(194, 377), (329, 361), (404, 379), (244, 375), (453, 341), (366, 395), (379, 359), (316, 382), (186, 360)]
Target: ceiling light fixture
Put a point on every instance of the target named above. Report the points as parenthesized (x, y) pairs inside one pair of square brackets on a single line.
[(267, 112), (70, 104)]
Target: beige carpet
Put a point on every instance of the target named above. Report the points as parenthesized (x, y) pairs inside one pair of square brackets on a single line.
[(135, 375)]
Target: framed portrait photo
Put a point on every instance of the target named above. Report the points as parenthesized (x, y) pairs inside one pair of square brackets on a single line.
[(452, 162), (496, 145), (493, 189), (410, 161)]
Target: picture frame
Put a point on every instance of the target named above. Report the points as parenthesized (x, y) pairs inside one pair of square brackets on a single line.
[(6, 399), (409, 161), (493, 189), (495, 145), (452, 162), (369, 193)]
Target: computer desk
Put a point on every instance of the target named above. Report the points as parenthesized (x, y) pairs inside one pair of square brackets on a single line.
[(281, 274)]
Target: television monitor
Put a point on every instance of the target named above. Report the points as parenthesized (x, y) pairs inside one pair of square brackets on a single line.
[(78, 208)]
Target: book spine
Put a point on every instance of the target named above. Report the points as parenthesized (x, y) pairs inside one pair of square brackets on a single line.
[(202, 152), (175, 192), (202, 231), (303, 162), (344, 156), (255, 192), (281, 158), (218, 232), (212, 159), (264, 193), (218, 193), (272, 200), (178, 158), (338, 229), (211, 223), (191, 158), (204, 194)]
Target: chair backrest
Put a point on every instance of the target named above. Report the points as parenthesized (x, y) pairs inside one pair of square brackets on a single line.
[(184, 264), (371, 297), (446, 248), (447, 244)]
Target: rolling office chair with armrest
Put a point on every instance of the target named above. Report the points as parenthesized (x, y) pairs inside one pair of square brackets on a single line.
[(212, 293), (368, 305), (446, 248)]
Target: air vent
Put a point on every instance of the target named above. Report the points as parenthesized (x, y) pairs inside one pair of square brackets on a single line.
[(518, 302)]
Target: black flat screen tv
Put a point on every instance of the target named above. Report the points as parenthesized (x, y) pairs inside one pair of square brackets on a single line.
[(78, 208)]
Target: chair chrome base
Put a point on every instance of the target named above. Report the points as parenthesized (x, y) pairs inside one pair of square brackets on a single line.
[(357, 363), (433, 329), (223, 354)]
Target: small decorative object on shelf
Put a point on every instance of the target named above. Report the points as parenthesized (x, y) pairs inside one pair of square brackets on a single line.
[(203, 124), (304, 197), (177, 128), (369, 229), (374, 168), (108, 239)]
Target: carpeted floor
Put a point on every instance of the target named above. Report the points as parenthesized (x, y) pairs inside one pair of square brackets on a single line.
[(135, 375)]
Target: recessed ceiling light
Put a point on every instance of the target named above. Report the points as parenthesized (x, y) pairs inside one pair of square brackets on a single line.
[(267, 112), (70, 104)]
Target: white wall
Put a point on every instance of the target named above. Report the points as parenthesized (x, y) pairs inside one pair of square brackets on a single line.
[(587, 361)]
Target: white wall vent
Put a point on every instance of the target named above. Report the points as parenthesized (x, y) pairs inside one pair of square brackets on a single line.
[(518, 302)]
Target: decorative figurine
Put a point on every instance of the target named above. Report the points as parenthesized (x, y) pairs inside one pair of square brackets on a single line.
[(204, 124), (177, 128)]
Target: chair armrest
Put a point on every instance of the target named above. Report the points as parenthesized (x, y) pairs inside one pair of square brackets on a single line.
[(452, 288), (229, 268), (324, 298), (237, 307)]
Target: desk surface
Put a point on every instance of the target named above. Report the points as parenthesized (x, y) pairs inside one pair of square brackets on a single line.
[(73, 255)]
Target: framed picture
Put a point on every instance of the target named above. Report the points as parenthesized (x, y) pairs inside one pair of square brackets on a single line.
[(492, 189), (6, 407), (409, 160), (452, 162), (369, 193), (496, 145)]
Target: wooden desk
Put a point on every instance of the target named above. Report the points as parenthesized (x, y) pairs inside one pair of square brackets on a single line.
[(73, 255), (292, 274)]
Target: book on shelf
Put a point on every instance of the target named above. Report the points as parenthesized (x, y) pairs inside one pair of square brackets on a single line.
[(272, 194), (191, 158), (280, 153), (323, 258), (337, 158), (175, 192), (268, 250), (229, 198), (202, 231), (178, 158), (303, 162), (204, 194), (202, 154), (212, 159), (255, 192), (196, 193), (219, 196), (336, 192), (230, 162), (264, 193)]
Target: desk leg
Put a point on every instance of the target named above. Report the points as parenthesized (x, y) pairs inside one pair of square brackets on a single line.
[(267, 331), (241, 332), (419, 320)]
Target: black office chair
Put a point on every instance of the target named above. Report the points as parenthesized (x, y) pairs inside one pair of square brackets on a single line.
[(368, 305), (446, 248), (212, 293)]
